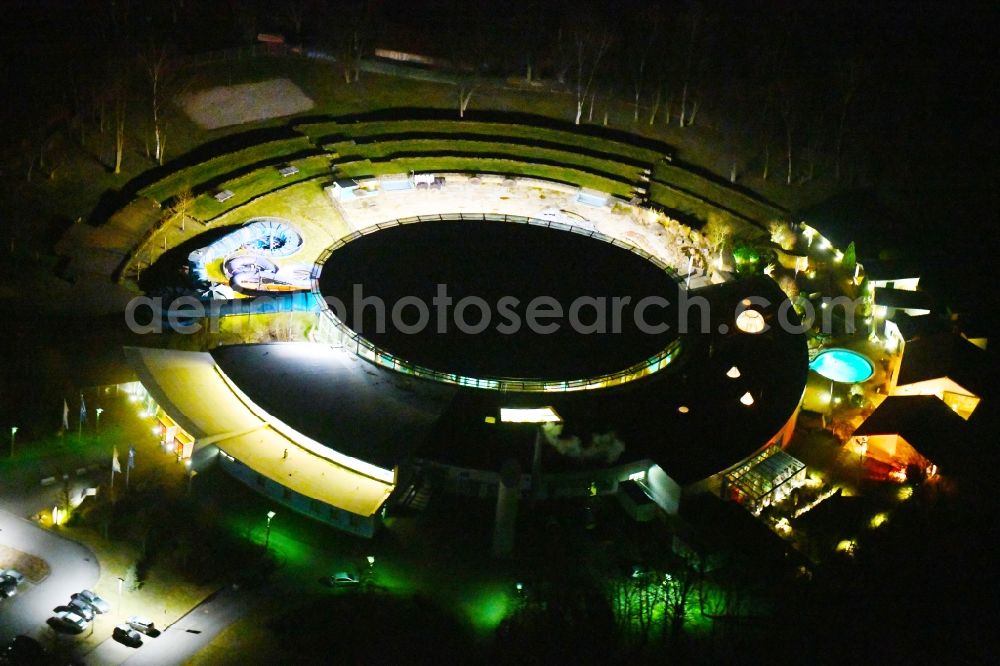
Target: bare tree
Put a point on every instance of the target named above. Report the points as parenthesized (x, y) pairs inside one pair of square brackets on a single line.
[(639, 67), (679, 589), (180, 205), (656, 102), (160, 69), (786, 107), (350, 56), (295, 12), (465, 89), (694, 21), (849, 82), (591, 43), (118, 101)]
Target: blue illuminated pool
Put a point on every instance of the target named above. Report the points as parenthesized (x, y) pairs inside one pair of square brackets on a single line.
[(843, 365)]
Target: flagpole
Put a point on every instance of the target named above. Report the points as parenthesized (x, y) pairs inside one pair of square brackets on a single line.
[(79, 429)]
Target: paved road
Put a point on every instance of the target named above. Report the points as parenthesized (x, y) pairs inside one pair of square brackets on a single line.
[(195, 630), (73, 567)]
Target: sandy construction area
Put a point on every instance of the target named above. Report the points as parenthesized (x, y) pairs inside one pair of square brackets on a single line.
[(245, 103)]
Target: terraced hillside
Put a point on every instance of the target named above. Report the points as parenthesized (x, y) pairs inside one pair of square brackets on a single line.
[(250, 165)]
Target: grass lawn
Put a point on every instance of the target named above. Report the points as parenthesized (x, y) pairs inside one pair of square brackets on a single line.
[(485, 149), (715, 192), (256, 183), (80, 174), (302, 203), (216, 167), (162, 598), (443, 129), (34, 568)]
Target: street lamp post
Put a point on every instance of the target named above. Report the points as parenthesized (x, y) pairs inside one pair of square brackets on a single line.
[(13, 431), (120, 582), (267, 534), (98, 424)]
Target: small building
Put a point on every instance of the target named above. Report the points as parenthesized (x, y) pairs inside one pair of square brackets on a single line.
[(891, 275), (636, 503), (912, 430), (945, 365), (342, 189), (764, 479), (902, 328), (890, 301)]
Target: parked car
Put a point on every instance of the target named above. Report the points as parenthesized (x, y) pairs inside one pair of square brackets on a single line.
[(13, 574), (23, 650), (142, 624), (81, 608), (126, 635), (68, 620), (99, 605), (342, 578), (8, 587)]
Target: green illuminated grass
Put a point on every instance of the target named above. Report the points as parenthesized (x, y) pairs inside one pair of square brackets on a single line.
[(382, 150), (452, 130), (672, 182), (487, 606), (257, 183), (215, 167)]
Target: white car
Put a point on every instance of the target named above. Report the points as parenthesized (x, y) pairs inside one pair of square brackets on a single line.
[(69, 620), (140, 623), (94, 601), (126, 635), (81, 608), (341, 579), (13, 574)]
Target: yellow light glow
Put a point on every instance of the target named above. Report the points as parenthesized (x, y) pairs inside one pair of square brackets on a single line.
[(747, 399), (491, 419), (529, 415), (734, 373), (878, 520), (750, 321), (683, 409), (846, 546), (783, 527)]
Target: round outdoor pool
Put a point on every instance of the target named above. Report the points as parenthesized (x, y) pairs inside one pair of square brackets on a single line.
[(843, 365)]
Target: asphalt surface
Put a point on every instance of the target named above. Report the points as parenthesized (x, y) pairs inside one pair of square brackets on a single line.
[(191, 633), (73, 568)]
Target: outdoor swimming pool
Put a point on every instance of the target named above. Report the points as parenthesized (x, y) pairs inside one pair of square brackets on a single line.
[(843, 365)]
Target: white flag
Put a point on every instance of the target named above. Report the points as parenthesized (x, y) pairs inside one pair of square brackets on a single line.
[(65, 415), (115, 465)]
